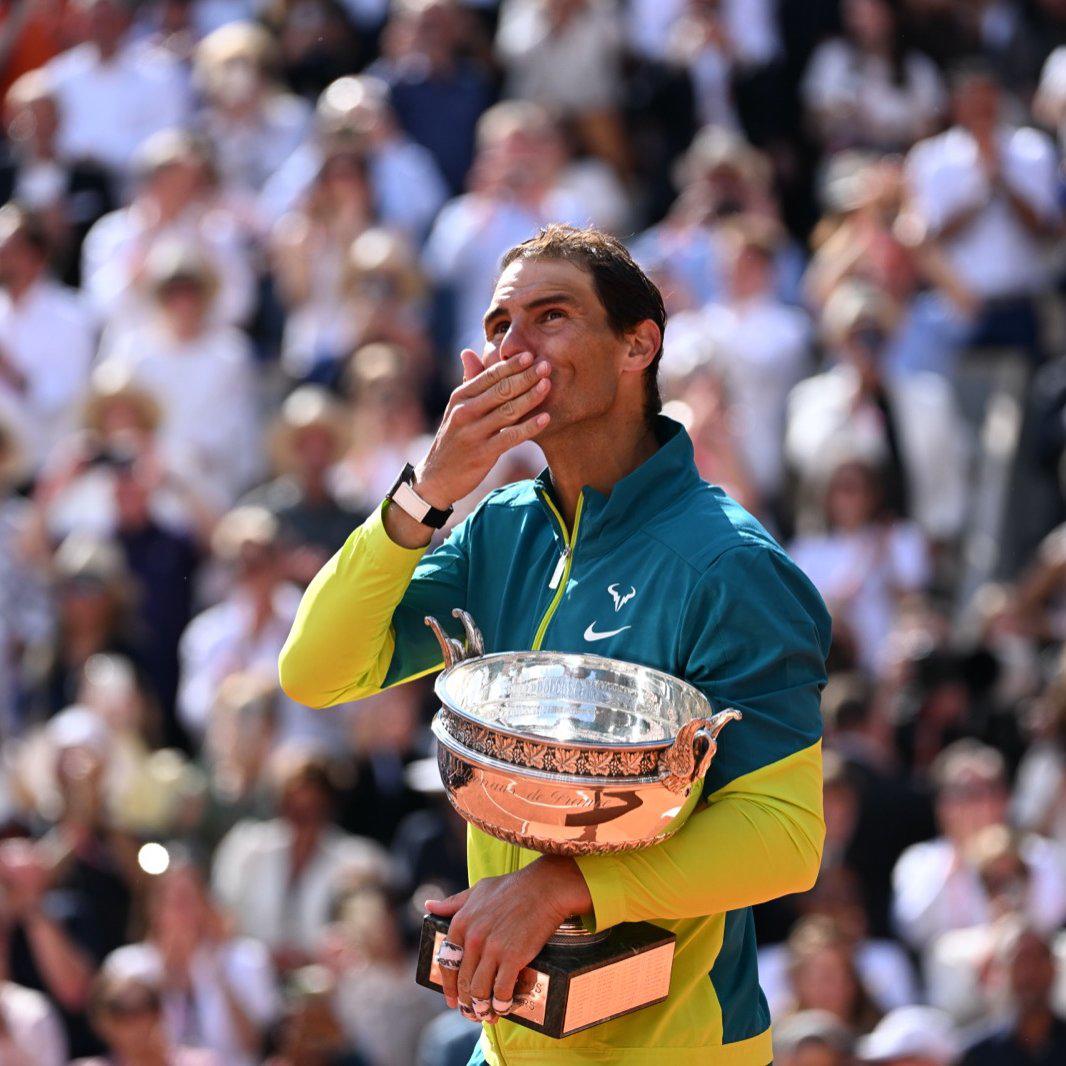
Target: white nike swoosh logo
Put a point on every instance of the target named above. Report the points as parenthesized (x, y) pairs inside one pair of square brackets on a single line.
[(591, 634)]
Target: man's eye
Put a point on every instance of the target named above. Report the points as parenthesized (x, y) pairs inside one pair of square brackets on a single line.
[(498, 328), (553, 313)]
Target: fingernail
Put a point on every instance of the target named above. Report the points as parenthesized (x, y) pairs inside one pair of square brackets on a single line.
[(542, 420), (542, 385), (543, 367), (525, 359), (451, 1002)]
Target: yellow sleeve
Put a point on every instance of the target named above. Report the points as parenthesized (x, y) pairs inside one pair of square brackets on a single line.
[(342, 641), (758, 837)]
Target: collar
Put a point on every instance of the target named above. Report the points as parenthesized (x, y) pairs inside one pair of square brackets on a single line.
[(606, 520)]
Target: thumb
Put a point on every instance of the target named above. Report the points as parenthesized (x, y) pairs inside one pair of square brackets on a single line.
[(472, 365), (448, 906)]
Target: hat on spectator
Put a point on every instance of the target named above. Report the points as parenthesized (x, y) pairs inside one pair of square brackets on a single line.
[(911, 1032), (308, 407), (818, 1027), (717, 148), (246, 43), (79, 727), (380, 253), (351, 107), (241, 528), (170, 148), (855, 303), (112, 385), (83, 559), (177, 263)]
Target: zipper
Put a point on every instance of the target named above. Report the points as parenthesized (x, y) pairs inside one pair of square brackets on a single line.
[(561, 574)]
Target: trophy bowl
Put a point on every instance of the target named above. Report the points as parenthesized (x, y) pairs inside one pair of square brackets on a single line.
[(571, 754)]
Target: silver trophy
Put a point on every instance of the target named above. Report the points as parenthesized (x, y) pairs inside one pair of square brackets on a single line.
[(571, 754)]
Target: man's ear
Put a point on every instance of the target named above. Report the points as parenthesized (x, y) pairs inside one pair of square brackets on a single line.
[(645, 340)]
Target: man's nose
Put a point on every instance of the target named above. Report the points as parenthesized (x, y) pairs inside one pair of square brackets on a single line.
[(514, 342)]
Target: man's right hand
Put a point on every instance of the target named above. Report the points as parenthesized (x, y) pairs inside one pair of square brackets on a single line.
[(487, 415)]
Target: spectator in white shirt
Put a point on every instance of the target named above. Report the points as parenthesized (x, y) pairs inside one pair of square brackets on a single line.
[(113, 94), (30, 1031), (863, 563), (515, 189), (1049, 106), (987, 191), (936, 884), (245, 630), (910, 424), (252, 123), (219, 991), (47, 336), (175, 201), (867, 88), (761, 346), (353, 113), (280, 879), (201, 375)]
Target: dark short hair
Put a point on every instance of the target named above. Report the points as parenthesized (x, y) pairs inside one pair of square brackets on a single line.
[(627, 294)]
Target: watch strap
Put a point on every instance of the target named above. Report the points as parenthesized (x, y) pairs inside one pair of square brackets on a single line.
[(405, 497)]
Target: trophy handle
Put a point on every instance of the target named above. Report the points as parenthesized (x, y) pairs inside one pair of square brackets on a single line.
[(453, 650), (687, 760)]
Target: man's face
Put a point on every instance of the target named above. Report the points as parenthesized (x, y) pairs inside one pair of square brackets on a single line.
[(550, 307)]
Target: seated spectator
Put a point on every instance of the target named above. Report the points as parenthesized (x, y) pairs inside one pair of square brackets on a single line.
[(95, 612), (1026, 974), (112, 93), (862, 560), (812, 1038), (67, 896), (761, 346), (310, 250), (566, 56), (387, 418), (252, 124), (722, 179), (911, 1036), (279, 878), (703, 403), (701, 39), (246, 629), (383, 1014), (514, 189), (986, 190), (314, 522), (823, 975), (67, 196), (26, 606), (199, 373), (870, 234), (76, 489), (47, 336), (31, 1033), (174, 203), (218, 990), (867, 88), (908, 424), (439, 90), (241, 735), (354, 114), (936, 885), (127, 1012), (310, 1033)]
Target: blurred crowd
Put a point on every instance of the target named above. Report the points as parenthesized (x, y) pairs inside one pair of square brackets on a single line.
[(241, 246)]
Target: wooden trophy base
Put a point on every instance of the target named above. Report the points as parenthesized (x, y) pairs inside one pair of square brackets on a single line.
[(576, 981)]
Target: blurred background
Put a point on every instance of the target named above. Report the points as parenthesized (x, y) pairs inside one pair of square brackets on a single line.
[(242, 243)]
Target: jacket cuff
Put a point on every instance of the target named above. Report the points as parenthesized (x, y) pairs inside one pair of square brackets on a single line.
[(603, 875), (384, 550)]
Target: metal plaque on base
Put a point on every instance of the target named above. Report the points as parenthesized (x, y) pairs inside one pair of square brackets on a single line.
[(570, 987)]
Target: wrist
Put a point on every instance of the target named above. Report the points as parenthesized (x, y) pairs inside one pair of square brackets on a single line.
[(430, 490), (565, 886)]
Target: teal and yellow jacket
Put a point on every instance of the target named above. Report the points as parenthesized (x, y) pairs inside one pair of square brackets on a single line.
[(669, 572)]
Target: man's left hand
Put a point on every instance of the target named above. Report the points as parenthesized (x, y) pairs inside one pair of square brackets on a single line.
[(501, 924)]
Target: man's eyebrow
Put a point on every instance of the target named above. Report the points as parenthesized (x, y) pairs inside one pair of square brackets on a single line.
[(540, 301)]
